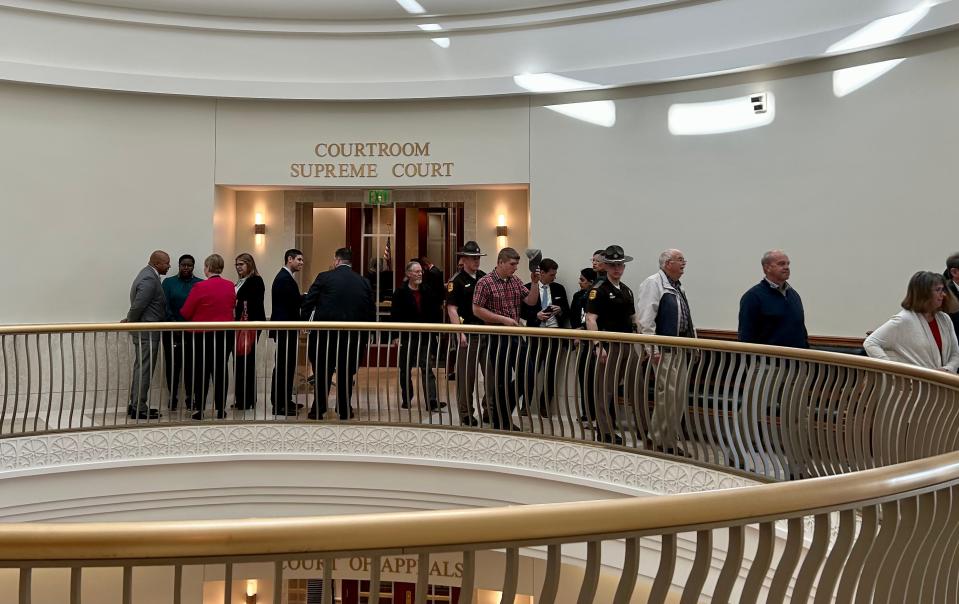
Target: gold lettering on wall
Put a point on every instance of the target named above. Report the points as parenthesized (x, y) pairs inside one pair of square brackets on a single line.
[(340, 160)]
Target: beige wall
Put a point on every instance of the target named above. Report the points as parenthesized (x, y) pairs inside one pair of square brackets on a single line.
[(224, 224), (266, 249), (91, 184), (857, 189), (329, 233), (514, 207)]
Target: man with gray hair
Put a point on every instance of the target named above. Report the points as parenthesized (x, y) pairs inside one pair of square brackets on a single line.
[(662, 309), (771, 312), (147, 305)]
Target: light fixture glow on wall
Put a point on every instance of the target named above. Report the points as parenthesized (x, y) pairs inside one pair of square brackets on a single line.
[(411, 6), (251, 591), (501, 229), (598, 113), (848, 80), (887, 29), (718, 117), (259, 227)]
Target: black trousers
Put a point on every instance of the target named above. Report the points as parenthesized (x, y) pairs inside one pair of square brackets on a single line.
[(178, 347), (213, 349), (281, 389), (543, 359), (417, 350), (339, 352), (245, 379), (508, 377), (587, 398)]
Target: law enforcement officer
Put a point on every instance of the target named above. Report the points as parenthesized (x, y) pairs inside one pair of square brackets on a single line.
[(339, 294), (459, 307), (611, 307)]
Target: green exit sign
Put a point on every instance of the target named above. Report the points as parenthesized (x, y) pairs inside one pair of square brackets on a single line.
[(380, 197)]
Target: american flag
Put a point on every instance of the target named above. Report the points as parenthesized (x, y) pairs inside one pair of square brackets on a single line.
[(388, 255)]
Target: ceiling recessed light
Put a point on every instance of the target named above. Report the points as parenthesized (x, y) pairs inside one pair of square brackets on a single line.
[(883, 30), (441, 42), (411, 6), (550, 82), (430, 26)]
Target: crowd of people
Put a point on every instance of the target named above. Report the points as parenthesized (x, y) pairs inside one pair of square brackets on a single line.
[(770, 312)]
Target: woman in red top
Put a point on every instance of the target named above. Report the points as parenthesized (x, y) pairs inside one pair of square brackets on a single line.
[(209, 301)]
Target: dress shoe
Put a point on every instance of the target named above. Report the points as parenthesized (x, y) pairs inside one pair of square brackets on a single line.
[(220, 414), (288, 412), (404, 405), (314, 414), (612, 439), (469, 420), (485, 417), (148, 414), (197, 415), (436, 406)]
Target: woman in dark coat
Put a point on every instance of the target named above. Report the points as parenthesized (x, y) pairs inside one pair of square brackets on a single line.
[(250, 290)]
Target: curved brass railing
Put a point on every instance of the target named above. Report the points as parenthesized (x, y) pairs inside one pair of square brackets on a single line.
[(775, 412), (881, 526)]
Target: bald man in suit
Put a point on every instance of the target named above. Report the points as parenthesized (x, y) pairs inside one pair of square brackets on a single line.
[(147, 305)]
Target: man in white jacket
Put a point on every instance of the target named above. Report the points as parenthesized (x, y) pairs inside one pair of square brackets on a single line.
[(662, 309)]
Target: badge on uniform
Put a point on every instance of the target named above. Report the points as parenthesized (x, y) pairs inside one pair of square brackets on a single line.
[(449, 286), (592, 294)]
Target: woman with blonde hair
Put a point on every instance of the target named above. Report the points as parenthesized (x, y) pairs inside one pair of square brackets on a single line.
[(250, 291), (921, 333)]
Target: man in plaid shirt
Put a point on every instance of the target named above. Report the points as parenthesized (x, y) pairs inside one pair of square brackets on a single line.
[(497, 301)]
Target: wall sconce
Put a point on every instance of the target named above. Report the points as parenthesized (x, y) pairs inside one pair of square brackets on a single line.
[(251, 591), (259, 227), (501, 229)]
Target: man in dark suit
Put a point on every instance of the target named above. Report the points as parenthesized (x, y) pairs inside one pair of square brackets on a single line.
[(552, 312), (147, 305), (287, 300), (337, 295), (432, 275), (952, 282)]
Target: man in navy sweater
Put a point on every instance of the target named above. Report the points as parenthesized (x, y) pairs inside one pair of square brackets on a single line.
[(771, 311)]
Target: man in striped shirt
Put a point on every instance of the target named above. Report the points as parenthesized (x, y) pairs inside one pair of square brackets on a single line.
[(497, 301)]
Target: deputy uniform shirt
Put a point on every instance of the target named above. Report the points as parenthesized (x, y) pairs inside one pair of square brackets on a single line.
[(459, 292), (613, 307)]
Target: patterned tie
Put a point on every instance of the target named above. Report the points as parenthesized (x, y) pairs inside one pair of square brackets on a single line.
[(544, 296)]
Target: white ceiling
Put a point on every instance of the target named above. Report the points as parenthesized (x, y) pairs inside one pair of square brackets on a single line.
[(373, 49), (356, 10)]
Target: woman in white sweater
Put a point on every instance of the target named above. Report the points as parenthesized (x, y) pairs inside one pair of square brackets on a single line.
[(921, 333)]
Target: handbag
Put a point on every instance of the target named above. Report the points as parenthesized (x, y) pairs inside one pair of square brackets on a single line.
[(245, 338)]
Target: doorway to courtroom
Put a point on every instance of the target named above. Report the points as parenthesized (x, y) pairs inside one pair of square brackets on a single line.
[(385, 229)]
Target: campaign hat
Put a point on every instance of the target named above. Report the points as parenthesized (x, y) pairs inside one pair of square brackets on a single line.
[(614, 254), (471, 248)]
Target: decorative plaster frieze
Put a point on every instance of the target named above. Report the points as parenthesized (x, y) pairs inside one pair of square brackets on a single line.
[(565, 460)]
